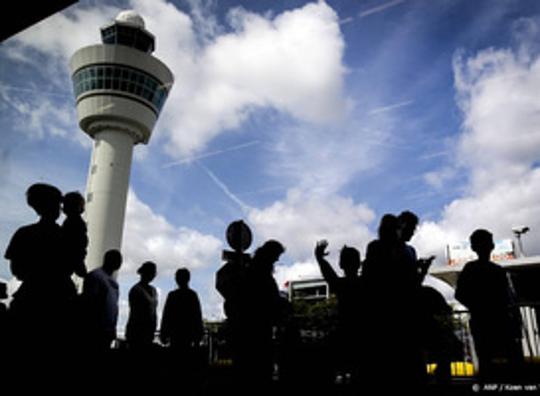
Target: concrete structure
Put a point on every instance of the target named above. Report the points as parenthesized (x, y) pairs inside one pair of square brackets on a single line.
[(516, 267), (308, 290), (21, 14), (120, 90)]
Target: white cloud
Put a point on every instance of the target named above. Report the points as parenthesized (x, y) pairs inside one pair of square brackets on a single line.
[(497, 93), (296, 271), (42, 115), (499, 145), (323, 160), (58, 37), (438, 179), (49, 36), (43, 112), (301, 219), (291, 62), (504, 205), (149, 236), (211, 301)]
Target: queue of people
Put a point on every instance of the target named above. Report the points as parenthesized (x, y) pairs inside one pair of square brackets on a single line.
[(386, 317), (388, 321), (49, 319)]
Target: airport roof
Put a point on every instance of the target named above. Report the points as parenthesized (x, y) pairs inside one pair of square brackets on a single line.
[(449, 274)]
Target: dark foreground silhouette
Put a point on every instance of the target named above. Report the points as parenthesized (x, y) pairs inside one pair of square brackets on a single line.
[(388, 325)]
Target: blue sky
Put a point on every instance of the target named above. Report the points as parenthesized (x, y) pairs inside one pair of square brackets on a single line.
[(308, 120)]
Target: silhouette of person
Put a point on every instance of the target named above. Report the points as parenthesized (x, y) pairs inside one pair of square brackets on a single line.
[(483, 287), (408, 223), (231, 276), (260, 313), (182, 331), (74, 244), (181, 323), (143, 299), (289, 350), (348, 291), (391, 338), (230, 283), (100, 301), (74, 233), (382, 255), (34, 252)]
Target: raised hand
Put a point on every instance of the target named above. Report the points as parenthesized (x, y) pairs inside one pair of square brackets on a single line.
[(320, 249)]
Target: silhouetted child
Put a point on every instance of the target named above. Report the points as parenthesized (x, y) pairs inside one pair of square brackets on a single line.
[(143, 300), (484, 288), (74, 233), (348, 290)]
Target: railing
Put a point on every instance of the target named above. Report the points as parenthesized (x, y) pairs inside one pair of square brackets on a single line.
[(530, 332), (462, 330), (214, 342), (530, 335)]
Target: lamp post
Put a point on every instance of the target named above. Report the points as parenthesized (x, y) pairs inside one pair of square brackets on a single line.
[(518, 232)]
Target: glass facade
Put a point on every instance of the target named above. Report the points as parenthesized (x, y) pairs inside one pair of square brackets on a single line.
[(122, 79), (129, 36)]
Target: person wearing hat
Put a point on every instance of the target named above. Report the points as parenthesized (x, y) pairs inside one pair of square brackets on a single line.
[(143, 300)]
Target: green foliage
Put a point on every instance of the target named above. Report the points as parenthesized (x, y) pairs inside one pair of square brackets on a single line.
[(316, 316)]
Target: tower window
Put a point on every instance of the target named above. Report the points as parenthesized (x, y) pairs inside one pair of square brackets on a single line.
[(130, 36), (123, 79)]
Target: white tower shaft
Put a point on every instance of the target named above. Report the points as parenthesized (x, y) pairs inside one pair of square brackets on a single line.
[(120, 89), (107, 189)]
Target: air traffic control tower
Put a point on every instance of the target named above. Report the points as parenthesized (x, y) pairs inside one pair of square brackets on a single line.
[(120, 90)]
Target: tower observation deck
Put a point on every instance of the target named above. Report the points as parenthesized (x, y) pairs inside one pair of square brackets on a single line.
[(120, 89)]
